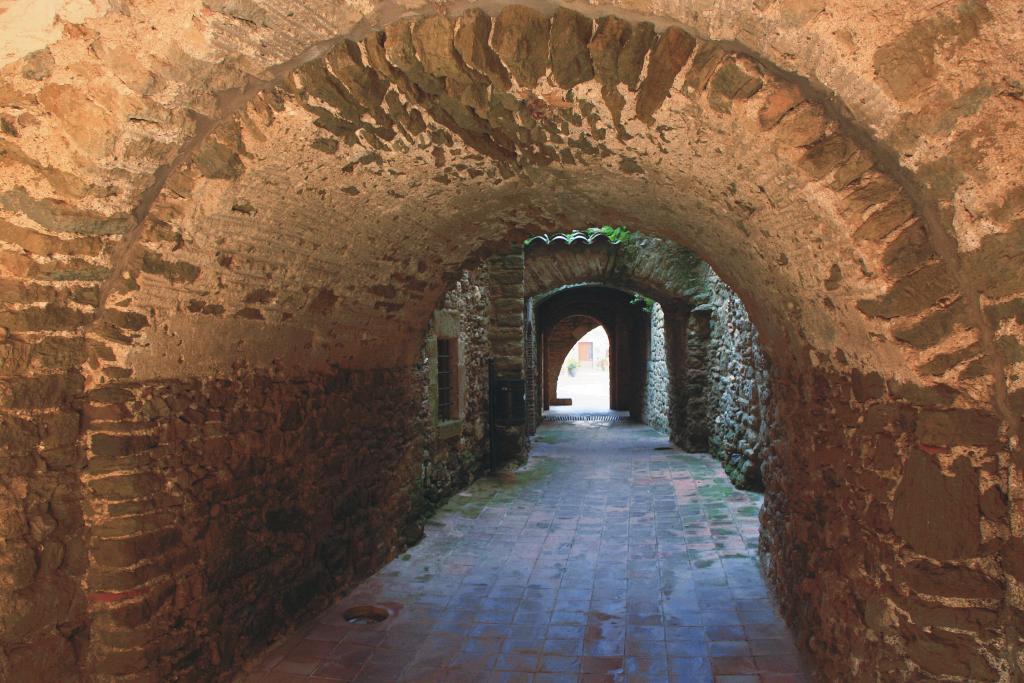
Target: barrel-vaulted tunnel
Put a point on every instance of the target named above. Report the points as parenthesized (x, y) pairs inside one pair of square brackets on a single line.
[(684, 356), (226, 226)]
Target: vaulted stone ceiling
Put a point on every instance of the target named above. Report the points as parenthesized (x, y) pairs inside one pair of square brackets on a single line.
[(242, 134)]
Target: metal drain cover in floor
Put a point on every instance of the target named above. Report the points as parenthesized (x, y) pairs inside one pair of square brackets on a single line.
[(585, 418), (366, 614)]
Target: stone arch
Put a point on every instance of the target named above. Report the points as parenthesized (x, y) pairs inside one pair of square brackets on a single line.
[(882, 310), (380, 296), (712, 68), (655, 268), (626, 325), (658, 269), (37, 67)]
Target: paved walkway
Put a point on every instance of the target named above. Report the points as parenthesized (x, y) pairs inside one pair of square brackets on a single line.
[(588, 391), (610, 557)]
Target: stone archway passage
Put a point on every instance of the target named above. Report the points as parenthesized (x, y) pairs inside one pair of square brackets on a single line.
[(705, 380), (225, 228), (633, 262), (626, 325)]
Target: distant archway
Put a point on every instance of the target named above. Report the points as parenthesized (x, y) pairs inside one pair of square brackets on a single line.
[(566, 315)]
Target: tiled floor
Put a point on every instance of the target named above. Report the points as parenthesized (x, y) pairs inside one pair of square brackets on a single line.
[(609, 558), (588, 390)]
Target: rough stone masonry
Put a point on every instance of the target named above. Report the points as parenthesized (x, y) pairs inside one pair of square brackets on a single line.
[(225, 228)]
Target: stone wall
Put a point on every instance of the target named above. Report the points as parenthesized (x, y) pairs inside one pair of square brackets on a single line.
[(157, 197), (506, 332), (737, 392), (219, 509), (43, 623), (455, 453), (656, 386), (43, 616), (532, 368), (657, 268), (707, 380), (222, 510), (693, 423), (911, 582)]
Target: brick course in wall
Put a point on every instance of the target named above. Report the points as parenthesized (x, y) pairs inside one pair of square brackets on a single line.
[(223, 510), (220, 509), (506, 332)]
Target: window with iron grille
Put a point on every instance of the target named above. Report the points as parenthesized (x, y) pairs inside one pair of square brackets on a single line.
[(445, 379)]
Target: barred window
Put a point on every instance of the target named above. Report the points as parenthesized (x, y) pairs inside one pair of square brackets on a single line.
[(445, 379)]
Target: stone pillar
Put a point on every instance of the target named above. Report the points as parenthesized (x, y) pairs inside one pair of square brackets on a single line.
[(506, 333), (675, 325), (532, 361), (656, 384), (697, 425), (639, 331), (627, 339), (617, 372)]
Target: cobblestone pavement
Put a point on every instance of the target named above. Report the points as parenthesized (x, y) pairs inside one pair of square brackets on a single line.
[(611, 557)]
